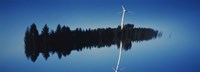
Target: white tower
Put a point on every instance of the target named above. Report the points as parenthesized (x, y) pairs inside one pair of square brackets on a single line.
[(123, 13)]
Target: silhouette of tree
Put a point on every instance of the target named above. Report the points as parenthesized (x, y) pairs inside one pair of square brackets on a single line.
[(63, 40), (27, 42), (58, 29), (45, 42), (32, 42)]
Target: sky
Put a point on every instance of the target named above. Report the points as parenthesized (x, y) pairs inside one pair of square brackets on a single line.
[(179, 17), (95, 13), (17, 15)]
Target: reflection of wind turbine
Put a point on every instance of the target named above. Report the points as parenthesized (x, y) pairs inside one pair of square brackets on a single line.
[(123, 13), (119, 58)]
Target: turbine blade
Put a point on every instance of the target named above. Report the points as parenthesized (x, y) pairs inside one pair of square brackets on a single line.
[(119, 13), (123, 68), (113, 68), (129, 12)]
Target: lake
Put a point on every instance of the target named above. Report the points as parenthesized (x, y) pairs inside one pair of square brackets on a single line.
[(170, 52)]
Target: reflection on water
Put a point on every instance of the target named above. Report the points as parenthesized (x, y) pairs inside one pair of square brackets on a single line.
[(63, 40), (119, 58)]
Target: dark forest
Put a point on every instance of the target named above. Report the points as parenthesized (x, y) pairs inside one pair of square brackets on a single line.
[(63, 40)]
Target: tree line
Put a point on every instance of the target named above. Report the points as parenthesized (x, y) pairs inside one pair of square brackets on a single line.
[(64, 40)]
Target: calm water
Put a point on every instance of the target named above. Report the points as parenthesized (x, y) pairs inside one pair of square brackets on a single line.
[(175, 51)]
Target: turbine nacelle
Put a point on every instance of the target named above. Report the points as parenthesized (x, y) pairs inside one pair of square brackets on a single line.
[(123, 9)]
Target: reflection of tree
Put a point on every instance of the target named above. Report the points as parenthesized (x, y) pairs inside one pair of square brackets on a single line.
[(63, 40), (32, 43)]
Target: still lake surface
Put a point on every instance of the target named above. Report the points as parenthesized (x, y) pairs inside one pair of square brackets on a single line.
[(176, 51)]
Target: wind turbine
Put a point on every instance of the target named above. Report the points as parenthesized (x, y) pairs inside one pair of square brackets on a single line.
[(120, 51), (123, 13)]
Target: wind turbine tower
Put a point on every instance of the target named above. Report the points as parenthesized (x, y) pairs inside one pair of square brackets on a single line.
[(123, 13)]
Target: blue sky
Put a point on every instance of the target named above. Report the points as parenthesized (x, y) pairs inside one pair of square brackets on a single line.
[(95, 13), (16, 15)]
